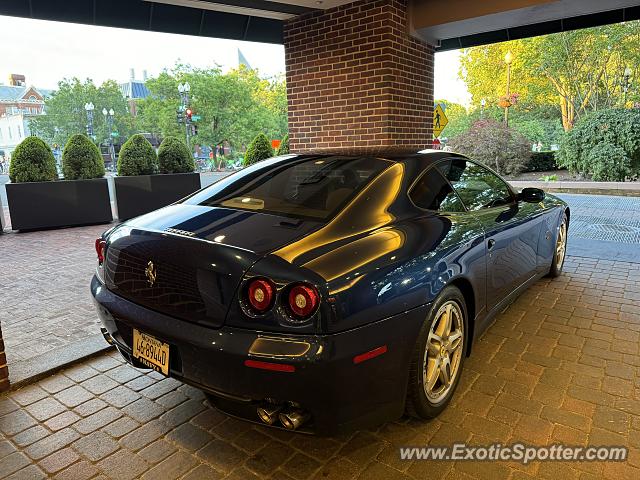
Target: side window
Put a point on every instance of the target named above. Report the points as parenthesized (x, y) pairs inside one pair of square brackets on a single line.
[(433, 192), (477, 186)]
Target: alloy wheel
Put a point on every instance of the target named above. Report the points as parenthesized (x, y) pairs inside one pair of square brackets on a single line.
[(443, 352), (561, 245)]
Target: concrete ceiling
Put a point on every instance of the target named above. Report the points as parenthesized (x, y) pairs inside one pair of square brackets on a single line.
[(466, 23), (447, 25)]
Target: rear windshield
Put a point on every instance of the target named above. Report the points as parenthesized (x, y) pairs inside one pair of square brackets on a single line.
[(301, 188)]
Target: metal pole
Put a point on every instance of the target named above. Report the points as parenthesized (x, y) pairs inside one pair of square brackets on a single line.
[(186, 119), (506, 109)]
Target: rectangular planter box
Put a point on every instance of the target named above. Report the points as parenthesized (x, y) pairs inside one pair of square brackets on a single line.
[(145, 193), (2, 225), (64, 203)]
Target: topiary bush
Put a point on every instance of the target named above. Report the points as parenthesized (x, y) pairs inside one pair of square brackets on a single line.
[(496, 145), (137, 157), (174, 157), (81, 159), (283, 149), (32, 161), (258, 149), (584, 148)]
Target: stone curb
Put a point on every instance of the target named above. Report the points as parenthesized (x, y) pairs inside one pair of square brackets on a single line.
[(24, 372), (595, 188)]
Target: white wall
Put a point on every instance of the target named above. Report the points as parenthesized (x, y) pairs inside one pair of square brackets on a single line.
[(13, 129)]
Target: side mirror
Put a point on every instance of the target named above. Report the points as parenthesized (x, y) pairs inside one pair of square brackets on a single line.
[(531, 195)]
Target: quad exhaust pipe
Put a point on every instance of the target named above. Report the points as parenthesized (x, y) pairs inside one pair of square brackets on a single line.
[(269, 413), (291, 418)]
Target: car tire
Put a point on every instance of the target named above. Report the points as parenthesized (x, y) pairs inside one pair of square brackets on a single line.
[(560, 251), (428, 358)]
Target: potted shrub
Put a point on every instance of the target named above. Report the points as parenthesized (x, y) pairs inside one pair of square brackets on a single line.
[(147, 181), (283, 149), (37, 200), (259, 149)]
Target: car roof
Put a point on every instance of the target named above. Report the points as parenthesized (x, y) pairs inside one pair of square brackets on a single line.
[(425, 156)]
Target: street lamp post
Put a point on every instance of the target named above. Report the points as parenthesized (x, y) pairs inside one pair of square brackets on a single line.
[(89, 108), (508, 58), (626, 84), (184, 89), (108, 116)]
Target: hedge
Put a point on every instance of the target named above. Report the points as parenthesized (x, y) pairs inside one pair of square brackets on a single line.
[(137, 157), (604, 145), (541, 162), (32, 161), (283, 149), (81, 159), (258, 149), (174, 157)]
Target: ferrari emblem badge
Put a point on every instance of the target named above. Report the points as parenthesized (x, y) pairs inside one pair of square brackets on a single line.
[(151, 273)]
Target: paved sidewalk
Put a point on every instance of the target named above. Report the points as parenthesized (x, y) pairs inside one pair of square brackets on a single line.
[(46, 304), (561, 365)]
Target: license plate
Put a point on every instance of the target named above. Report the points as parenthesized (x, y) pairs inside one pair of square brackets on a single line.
[(151, 352)]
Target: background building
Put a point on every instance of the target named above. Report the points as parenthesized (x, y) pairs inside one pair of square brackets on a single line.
[(134, 90), (18, 102)]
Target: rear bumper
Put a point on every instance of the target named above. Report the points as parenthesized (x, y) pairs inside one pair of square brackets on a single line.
[(340, 394)]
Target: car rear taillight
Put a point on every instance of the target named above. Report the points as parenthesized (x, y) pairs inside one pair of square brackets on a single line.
[(261, 293), (303, 300), (100, 247)]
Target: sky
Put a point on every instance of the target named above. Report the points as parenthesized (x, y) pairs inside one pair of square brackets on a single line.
[(46, 52)]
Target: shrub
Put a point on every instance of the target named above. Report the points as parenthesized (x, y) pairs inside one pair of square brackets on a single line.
[(81, 159), (258, 149), (137, 157), (174, 157), (608, 163), (32, 161), (283, 149), (588, 147), (541, 162), (494, 144)]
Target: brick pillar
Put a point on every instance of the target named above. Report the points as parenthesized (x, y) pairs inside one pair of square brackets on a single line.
[(4, 370), (357, 81)]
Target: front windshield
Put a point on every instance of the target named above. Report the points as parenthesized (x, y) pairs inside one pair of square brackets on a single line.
[(313, 187)]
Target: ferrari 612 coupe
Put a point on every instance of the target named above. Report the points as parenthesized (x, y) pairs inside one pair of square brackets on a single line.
[(324, 293)]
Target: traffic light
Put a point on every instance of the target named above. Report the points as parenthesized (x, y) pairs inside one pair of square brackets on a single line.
[(189, 114), (179, 118), (194, 129)]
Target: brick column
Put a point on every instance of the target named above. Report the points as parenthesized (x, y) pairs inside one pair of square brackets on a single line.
[(356, 80), (4, 370)]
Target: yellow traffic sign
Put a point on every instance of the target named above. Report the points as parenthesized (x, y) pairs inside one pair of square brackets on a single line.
[(439, 120)]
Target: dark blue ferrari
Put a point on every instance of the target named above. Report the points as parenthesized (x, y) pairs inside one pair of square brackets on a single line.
[(324, 293)]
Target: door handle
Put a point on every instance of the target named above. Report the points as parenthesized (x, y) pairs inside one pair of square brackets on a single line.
[(490, 243)]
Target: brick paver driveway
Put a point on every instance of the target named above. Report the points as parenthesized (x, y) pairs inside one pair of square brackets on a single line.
[(44, 290), (559, 366)]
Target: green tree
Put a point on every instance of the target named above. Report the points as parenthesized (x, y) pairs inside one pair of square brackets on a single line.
[(577, 71), (81, 159), (32, 161), (259, 149), (66, 115), (174, 157), (137, 157), (233, 107)]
